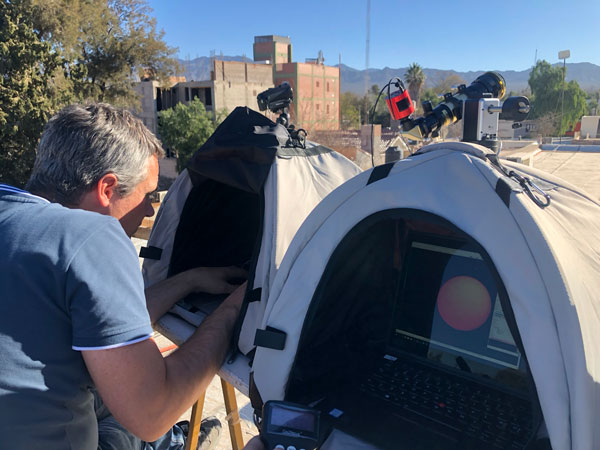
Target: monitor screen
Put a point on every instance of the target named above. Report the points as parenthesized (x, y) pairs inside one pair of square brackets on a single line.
[(448, 311), (291, 418)]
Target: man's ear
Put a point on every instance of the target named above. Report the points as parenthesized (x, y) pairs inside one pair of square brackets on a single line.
[(99, 198), (105, 189)]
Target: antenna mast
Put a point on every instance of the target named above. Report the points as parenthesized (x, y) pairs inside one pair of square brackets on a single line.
[(367, 47)]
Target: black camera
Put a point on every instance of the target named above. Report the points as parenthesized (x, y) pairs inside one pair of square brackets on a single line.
[(276, 99)]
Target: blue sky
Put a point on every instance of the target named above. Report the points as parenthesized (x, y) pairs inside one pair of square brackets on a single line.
[(462, 35)]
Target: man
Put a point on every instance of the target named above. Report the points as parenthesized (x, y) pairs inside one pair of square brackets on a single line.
[(72, 307)]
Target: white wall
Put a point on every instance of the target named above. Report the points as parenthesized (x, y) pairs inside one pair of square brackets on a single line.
[(589, 127)]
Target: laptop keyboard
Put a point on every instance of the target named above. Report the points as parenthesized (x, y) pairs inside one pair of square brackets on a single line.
[(492, 417)]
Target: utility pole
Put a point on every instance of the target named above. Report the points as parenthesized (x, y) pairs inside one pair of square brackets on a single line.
[(563, 55), (367, 47)]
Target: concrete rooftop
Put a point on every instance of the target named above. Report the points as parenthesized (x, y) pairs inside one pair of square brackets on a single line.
[(579, 165)]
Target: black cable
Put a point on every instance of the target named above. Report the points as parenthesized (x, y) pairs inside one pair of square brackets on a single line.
[(399, 84), (372, 117)]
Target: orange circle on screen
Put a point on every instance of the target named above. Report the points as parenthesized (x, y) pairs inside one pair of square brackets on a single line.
[(464, 303)]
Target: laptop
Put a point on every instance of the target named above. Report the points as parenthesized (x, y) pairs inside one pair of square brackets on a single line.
[(452, 375)]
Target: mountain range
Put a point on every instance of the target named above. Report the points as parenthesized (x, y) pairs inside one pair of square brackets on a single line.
[(353, 80)]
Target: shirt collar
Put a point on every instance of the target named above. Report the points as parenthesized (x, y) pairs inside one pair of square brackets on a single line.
[(14, 190)]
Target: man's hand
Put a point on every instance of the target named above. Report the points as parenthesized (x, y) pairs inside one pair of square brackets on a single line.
[(160, 297), (254, 444), (215, 280)]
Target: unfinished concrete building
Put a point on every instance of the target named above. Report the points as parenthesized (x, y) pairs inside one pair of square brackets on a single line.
[(316, 87), (231, 84)]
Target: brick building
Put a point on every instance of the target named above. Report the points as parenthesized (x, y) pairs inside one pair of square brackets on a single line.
[(316, 86), (272, 49)]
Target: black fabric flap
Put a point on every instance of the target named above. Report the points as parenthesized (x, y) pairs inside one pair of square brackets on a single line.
[(255, 399), (240, 151), (503, 190), (380, 172), (151, 252), (254, 295), (270, 338)]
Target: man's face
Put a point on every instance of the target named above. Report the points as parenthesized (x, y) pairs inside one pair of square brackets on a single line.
[(131, 209)]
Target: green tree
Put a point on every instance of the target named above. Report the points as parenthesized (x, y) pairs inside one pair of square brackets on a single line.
[(54, 52), (350, 111), (381, 115), (593, 99), (32, 88), (415, 78), (546, 83), (108, 44), (184, 129)]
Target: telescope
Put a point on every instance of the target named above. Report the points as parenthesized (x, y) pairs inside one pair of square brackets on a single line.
[(478, 105)]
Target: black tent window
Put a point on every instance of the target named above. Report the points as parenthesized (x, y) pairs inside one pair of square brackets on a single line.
[(219, 226), (350, 316)]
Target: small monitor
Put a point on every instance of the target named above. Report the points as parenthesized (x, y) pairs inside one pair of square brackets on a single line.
[(449, 310)]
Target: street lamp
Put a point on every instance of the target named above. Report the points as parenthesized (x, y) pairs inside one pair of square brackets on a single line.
[(563, 55)]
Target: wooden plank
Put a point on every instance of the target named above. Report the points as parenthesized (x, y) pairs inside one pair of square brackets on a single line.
[(233, 416), (195, 421)]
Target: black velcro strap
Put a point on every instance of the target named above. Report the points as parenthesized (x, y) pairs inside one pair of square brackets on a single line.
[(151, 252), (254, 295), (270, 338), (503, 190), (255, 399), (380, 172)]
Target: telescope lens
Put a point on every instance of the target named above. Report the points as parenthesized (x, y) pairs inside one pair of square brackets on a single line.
[(490, 82)]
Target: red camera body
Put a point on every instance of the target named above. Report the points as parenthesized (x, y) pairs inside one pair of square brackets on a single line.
[(400, 104)]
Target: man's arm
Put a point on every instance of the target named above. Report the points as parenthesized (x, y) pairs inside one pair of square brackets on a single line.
[(148, 393), (160, 297)]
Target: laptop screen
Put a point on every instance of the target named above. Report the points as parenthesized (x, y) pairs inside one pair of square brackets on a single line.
[(448, 311)]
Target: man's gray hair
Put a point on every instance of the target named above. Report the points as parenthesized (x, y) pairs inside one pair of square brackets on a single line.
[(82, 143)]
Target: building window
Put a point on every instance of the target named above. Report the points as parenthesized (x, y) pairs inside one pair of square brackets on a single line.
[(328, 86), (327, 109), (158, 100), (207, 97), (318, 106), (317, 84), (195, 93), (187, 94)]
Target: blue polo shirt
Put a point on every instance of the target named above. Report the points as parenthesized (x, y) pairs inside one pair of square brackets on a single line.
[(69, 281)]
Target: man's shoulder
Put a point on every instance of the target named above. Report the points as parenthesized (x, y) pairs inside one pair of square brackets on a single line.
[(79, 218), (55, 224)]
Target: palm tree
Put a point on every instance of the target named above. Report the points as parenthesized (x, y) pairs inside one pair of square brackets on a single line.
[(415, 78)]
